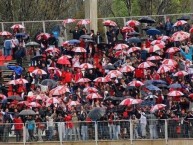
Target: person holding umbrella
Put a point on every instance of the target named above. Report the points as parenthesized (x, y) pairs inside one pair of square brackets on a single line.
[(30, 123), (18, 124)]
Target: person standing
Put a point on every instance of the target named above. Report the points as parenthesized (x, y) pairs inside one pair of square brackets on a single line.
[(18, 124), (168, 27), (7, 46), (6, 130), (31, 127), (75, 33)]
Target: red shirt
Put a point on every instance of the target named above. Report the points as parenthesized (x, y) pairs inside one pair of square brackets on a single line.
[(18, 123)]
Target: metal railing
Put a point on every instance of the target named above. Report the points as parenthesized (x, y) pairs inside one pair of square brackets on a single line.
[(97, 131), (32, 27)]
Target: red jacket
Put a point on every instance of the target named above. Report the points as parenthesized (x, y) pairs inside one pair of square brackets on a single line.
[(18, 123)]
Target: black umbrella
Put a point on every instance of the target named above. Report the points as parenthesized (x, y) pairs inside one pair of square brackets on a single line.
[(27, 112), (86, 37), (38, 57), (113, 98), (146, 20), (89, 41), (18, 98), (134, 34), (49, 82), (96, 113), (185, 18), (109, 67), (32, 43), (134, 40)]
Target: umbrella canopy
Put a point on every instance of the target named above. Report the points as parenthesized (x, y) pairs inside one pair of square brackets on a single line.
[(53, 100), (164, 69), (155, 48), (126, 68), (94, 96), (101, 80), (153, 31), (169, 62), (109, 23), (175, 93), (133, 49), (154, 58), (73, 41), (152, 88), (86, 66), (127, 29), (134, 40), (157, 107), (34, 104), (84, 22), (175, 86), (18, 98), (43, 36), (132, 23), (63, 60), (17, 26), (59, 90), (133, 34), (151, 96), (83, 80), (5, 33), (86, 37), (109, 67), (180, 36), (172, 50), (38, 57), (136, 83), (180, 74), (32, 43), (49, 82), (130, 101), (39, 72), (120, 46), (157, 42), (146, 20), (90, 90), (73, 103), (21, 81), (179, 23), (163, 38), (52, 49), (146, 64), (67, 21), (96, 113), (79, 49), (27, 112)]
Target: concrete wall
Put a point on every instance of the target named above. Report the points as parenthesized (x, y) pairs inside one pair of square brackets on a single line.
[(126, 142)]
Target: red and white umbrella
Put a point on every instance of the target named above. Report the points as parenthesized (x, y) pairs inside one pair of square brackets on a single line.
[(132, 23), (120, 46), (127, 29), (63, 60), (17, 26), (155, 48), (12, 82), (180, 36), (191, 30), (21, 81), (73, 103), (59, 90), (94, 96), (109, 23), (86, 66), (157, 42), (84, 22), (180, 23), (79, 49), (56, 70), (130, 101), (101, 80), (5, 33), (164, 69), (136, 83), (115, 72), (83, 80), (133, 49), (2, 96), (39, 72), (154, 58), (43, 36), (120, 53), (163, 38), (181, 73), (146, 64), (175, 93), (90, 90), (53, 100), (67, 21), (34, 104), (126, 68), (170, 62), (52, 49), (172, 50), (26, 103), (157, 107)]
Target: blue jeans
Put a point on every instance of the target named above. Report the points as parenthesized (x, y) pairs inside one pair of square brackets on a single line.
[(7, 52), (50, 131), (153, 131), (84, 132)]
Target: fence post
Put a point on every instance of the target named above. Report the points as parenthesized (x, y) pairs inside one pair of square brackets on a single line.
[(24, 134), (124, 21), (166, 131), (105, 29), (44, 26), (60, 131), (131, 132), (2, 27), (96, 132)]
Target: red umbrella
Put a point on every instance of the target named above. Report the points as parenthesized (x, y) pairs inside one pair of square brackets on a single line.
[(101, 80), (90, 90), (94, 96), (79, 49), (34, 104), (127, 29), (132, 23), (2, 96), (155, 48), (130, 101), (43, 36), (73, 103), (63, 60), (126, 68), (12, 82), (146, 64), (53, 100), (56, 70), (109, 23), (5, 33), (39, 72), (120, 53), (67, 21), (175, 93), (59, 90), (120, 46), (170, 62), (86, 66), (83, 80), (17, 26), (133, 49), (180, 23), (154, 58), (21, 81), (163, 38), (181, 73), (173, 50), (52, 49), (157, 107), (157, 42), (191, 30), (83, 22), (164, 69), (136, 83), (180, 36)]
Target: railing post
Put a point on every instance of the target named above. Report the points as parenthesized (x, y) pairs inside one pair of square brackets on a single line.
[(165, 18), (96, 132), (44, 26), (2, 27), (105, 29), (124, 21), (24, 134), (131, 132), (60, 132), (166, 131)]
